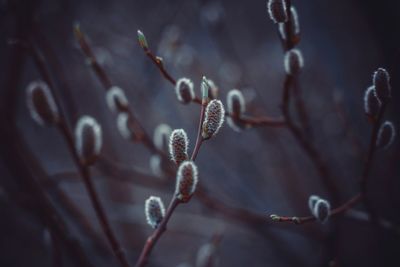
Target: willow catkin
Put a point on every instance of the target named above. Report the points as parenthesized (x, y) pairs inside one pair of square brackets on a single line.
[(178, 146), (116, 99), (371, 103), (154, 211), (386, 135), (88, 139), (214, 118), (41, 103), (293, 61), (186, 181), (381, 82), (277, 10), (184, 90)]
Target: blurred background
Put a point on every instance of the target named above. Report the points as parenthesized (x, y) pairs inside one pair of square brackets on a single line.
[(262, 170)]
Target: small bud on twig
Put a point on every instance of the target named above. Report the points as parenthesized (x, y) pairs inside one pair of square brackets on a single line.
[(178, 146), (116, 99), (41, 104), (154, 211), (88, 139), (381, 82), (293, 62), (124, 125), (371, 103), (205, 89), (214, 118), (322, 210), (277, 10), (186, 181), (142, 40), (161, 136), (386, 135), (184, 90)]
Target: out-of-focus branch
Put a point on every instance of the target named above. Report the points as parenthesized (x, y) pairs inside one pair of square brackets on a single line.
[(84, 170)]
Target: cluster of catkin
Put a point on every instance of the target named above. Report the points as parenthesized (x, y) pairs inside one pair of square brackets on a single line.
[(376, 96)]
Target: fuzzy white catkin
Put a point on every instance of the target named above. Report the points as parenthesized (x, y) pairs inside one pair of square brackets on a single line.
[(123, 126), (293, 61), (311, 202), (41, 104), (214, 118), (277, 10), (184, 90), (381, 82), (161, 136), (186, 180), (371, 102), (88, 139), (235, 102), (294, 25), (178, 146), (322, 210), (386, 135), (116, 99), (154, 211)]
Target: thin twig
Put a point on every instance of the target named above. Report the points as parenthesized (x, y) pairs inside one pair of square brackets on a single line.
[(155, 236), (94, 198), (249, 121), (307, 147), (199, 139)]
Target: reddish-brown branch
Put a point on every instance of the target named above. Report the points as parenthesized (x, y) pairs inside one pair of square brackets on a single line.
[(307, 147), (139, 130), (306, 219), (155, 236), (199, 139), (248, 120)]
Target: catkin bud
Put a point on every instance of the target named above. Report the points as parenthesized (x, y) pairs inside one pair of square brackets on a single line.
[(142, 40), (294, 25), (386, 135), (381, 81), (184, 90), (235, 101), (277, 10), (371, 103), (41, 104), (116, 99), (214, 118), (88, 139), (154, 211), (322, 210), (178, 146), (293, 61), (311, 202), (186, 181), (161, 136), (124, 126)]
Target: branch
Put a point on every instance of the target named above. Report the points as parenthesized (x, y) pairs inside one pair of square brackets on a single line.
[(152, 239)]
